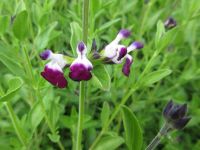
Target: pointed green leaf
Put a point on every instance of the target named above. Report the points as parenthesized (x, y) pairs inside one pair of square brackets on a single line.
[(155, 76), (21, 25), (105, 113), (14, 85), (133, 134), (101, 78), (109, 143), (75, 35)]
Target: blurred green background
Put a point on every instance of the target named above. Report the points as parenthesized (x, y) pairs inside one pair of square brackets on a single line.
[(27, 27)]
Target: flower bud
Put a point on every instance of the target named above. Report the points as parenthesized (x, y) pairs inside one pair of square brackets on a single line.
[(175, 115), (170, 23)]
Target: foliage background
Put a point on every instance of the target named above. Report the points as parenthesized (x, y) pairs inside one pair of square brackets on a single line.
[(57, 25)]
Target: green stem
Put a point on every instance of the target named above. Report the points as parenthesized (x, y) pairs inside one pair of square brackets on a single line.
[(123, 101), (80, 115), (156, 140), (53, 131), (115, 112), (16, 125), (82, 83)]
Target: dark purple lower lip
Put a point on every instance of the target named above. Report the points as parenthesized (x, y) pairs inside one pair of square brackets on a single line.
[(79, 72), (126, 67), (55, 77)]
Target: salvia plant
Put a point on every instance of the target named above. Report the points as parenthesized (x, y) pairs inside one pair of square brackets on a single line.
[(102, 85)]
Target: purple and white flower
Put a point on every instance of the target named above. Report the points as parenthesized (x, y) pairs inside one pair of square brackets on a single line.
[(117, 53), (81, 67), (53, 72)]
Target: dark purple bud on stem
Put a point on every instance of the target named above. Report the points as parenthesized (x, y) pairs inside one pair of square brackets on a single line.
[(170, 23)]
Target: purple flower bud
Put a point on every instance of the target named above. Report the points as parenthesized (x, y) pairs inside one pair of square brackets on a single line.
[(167, 108), (170, 23), (181, 123), (175, 115), (178, 111), (124, 33), (54, 75), (46, 54), (135, 45), (81, 47), (122, 53), (127, 65), (79, 72)]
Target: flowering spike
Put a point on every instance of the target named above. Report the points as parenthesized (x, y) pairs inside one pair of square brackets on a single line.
[(81, 67), (127, 65), (135, 45)]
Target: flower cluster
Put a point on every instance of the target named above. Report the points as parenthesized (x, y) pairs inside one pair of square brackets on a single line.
[(175, 115), (117, 53), (80, 68)]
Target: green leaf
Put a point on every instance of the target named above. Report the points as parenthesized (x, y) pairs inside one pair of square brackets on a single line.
[(4, 22), (101, 78), (105, 113), (160, 32), (21, 25), (133, 133), (75, 36), (44, 36), (14, 86), (155, 76), (108, 24), (12, 65), (35, 116), (54, 137), (109, 142)]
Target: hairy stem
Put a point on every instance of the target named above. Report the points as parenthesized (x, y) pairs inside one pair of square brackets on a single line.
[(82, 83), (156, 140), (16, 125)]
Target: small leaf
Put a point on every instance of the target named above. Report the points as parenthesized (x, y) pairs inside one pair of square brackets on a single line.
[(101, 78), (44, 36), (108, 24), (109, 143), (4, 22), (21, 25), (14, 85), (159, 33), (12, 65), (155, 76), (35, 116), (54, 137), (75, 36), (133, 134), (105, 113)]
